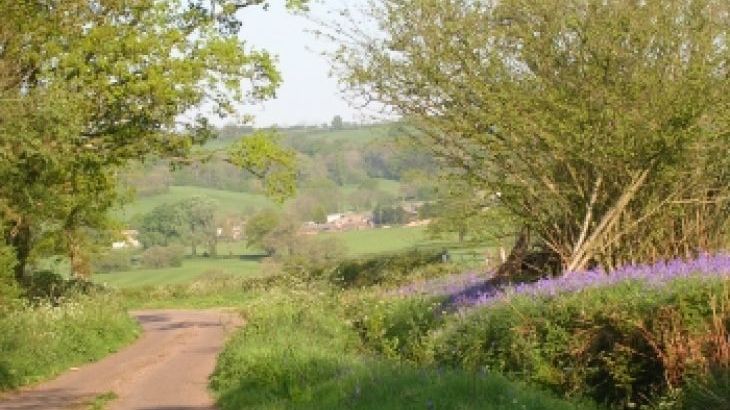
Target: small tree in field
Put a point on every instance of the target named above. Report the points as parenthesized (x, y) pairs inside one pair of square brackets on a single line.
[(260, 225), (604, 125), (337, 123)]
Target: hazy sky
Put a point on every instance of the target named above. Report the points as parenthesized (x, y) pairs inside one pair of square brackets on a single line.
[(308, 95)]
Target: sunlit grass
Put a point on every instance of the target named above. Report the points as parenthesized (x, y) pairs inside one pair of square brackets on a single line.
[(38, 342), (191, 269)]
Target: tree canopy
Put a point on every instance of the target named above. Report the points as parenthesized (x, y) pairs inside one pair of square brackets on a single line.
[(86, 86), (603, 125)]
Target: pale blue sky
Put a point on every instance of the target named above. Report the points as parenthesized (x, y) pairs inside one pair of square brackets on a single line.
[(308, 95)]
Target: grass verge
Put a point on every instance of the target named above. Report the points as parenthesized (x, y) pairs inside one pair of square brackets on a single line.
[(40, 341), (297, 351)]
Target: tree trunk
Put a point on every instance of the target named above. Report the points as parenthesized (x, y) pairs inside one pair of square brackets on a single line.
[(213, 245), (21, 243), (193, 241), (80, 265), (517, 255)]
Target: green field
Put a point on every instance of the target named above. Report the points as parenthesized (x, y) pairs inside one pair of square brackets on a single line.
[(357, 243), (227, 201), (191, 269)]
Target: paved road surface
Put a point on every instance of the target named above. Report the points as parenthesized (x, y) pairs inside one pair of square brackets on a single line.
[(166, 369)]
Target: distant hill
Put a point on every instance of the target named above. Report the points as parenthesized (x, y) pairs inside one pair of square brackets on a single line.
[(351, 168), (228, 201), (298, 134)]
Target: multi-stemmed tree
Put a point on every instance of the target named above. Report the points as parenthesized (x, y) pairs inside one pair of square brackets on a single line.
[(603, 125)]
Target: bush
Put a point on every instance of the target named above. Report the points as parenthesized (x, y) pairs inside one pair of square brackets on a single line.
[(162, 257), (113, 261), (397, 328), (389, 269), (47, 286), (312, 258), (624, 345)]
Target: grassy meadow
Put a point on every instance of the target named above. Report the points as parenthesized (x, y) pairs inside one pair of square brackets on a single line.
[(227, 201), (191, 269), (236, 259)]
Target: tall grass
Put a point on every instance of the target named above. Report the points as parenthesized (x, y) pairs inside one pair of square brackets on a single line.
[(40, 340), (298, 351), (627, 345)]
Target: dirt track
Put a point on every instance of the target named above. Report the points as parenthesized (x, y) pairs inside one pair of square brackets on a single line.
[(166, 369)]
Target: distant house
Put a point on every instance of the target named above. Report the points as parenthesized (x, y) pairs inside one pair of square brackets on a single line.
[(129, 240), (355, 221), (237, 232), (347, 221), (332, 218), (412, 207), (231, 228), (421, 222)]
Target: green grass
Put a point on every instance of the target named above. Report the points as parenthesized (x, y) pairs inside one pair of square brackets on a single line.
[(212, 290), (38, 342), (358, 243), (297, 352), (227, 201), (380, 241), (191, 269), (101, 401), (388, 185), (365, 242), (370, 241)]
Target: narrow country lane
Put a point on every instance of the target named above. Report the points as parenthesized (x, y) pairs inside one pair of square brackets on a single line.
[(166, 369)]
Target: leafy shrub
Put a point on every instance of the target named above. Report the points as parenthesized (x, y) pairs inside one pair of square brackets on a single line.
[(113, 261), (388, 269), (297, 352), (162, 257), (312, 257), (396, 327), (621, 345), (47, 286)]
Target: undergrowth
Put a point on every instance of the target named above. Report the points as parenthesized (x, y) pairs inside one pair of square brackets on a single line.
[(298, 351), (43, 338), (627, 346)]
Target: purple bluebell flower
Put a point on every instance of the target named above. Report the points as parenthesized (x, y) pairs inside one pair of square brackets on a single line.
[(470, 289)]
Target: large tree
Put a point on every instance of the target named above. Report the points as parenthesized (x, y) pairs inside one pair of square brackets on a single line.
[(86, 86), (604, 125)]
